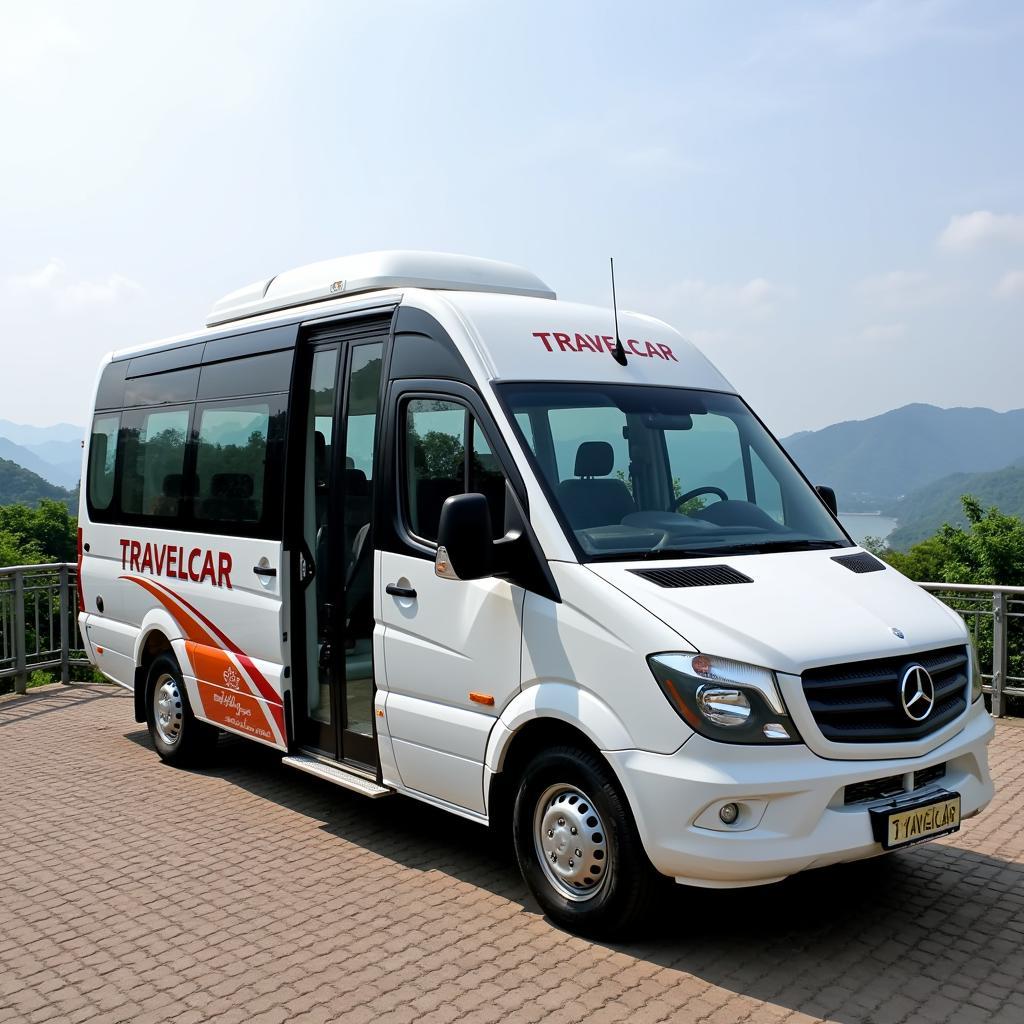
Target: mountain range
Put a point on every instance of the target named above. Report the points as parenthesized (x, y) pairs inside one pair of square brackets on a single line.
[(54, 453), (871, 463)]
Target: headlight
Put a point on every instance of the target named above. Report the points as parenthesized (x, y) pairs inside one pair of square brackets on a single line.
[(724, 700), (976, 680)]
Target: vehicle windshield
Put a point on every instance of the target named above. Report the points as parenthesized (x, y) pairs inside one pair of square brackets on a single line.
[(649, 472)]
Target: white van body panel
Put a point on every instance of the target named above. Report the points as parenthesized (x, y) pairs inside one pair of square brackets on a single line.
[(229, 624), (596, 641), (452, 640)]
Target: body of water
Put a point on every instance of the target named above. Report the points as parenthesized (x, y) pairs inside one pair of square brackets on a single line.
[(866, 524)]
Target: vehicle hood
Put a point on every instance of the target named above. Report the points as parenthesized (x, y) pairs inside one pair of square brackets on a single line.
[(800, 610)]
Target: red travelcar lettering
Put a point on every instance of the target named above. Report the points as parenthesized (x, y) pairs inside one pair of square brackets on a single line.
[(601, 343), (198, 565)]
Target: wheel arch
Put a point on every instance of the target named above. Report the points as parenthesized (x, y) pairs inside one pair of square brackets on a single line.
[(545, 715), (156, 637)]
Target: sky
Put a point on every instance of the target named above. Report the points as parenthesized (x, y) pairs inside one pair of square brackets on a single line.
[(828, 198)]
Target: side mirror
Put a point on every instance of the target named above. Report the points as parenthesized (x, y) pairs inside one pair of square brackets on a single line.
[(465, 548), (829, 497)]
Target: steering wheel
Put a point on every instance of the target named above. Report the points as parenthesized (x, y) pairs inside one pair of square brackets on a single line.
[(707, 489)]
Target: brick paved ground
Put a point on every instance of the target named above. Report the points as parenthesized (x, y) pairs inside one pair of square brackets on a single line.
[(130, 891)]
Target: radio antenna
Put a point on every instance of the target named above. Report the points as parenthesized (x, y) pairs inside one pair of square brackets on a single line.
[(619, 354)]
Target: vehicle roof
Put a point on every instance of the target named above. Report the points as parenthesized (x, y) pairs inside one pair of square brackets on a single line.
[(512, 336)]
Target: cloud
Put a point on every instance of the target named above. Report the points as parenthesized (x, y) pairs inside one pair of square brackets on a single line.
[(758, 296), (968, 231), (883, 332), (1011, 284), (53, 283), (899, 289)]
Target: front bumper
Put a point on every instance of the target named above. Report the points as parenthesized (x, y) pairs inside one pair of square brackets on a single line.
[(793, 812)]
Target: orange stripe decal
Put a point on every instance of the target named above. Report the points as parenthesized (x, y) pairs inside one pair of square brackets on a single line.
[(234, 709)]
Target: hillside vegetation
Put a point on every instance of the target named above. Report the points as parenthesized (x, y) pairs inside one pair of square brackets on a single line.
[(20, 486), (923, 512)]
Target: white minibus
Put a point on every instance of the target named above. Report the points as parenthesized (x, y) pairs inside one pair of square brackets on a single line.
[(426, 530)]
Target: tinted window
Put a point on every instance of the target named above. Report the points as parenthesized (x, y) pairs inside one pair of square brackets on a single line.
[(152, 477), (254, 375), (102, 459), (361, 416), (110, 392), (162, 388), (486, 478), (231, 458), (435, 460), (436, 466)]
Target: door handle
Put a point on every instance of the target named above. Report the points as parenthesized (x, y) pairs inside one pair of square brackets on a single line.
[(264, 570), (396, 591)]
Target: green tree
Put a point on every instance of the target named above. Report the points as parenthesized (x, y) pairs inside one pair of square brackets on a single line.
[(29, 536), (990, 550)]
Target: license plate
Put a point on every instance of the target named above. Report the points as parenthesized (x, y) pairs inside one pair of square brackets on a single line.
[(904, 825)]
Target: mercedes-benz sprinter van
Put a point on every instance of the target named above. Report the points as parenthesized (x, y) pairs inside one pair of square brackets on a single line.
[(429, 531)]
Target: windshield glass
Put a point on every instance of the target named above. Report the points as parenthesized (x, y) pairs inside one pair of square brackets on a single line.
[(649, 472)]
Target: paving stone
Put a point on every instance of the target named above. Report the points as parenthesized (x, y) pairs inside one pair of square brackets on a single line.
[(248, 893)]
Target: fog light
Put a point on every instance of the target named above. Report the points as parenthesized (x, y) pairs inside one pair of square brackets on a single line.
[(729, 813)]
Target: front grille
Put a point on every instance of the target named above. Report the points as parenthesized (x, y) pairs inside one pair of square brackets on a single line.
[(873, 789), (926, 775), (859, 702), (891, 785)]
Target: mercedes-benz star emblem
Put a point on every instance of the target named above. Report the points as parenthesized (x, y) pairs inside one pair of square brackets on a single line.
[(917, 693)]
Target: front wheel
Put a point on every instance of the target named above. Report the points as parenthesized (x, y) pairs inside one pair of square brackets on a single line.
[(178, 736), (578, 847)]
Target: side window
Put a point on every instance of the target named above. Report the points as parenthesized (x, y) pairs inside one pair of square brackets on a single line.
[(231, 459), (102, 459), (253, 375), (436, 464), (486, 478), (154, 462), (435, 458)]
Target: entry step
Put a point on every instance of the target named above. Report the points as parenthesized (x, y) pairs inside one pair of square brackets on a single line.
[(336, 774)]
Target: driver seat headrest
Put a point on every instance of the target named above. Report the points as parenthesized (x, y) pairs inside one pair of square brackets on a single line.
[(594, 458)]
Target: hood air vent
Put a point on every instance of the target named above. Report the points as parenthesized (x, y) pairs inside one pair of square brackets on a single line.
[(861, 562), (693, 576)]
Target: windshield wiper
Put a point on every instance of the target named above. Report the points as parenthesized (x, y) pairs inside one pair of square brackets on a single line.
[(765, 547), (770, 546)]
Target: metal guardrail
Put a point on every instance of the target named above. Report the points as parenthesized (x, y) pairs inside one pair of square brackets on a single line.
[(995, 617), (39, 621)]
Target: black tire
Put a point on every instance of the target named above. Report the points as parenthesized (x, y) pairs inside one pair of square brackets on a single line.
[(620, 896), (178, 736)]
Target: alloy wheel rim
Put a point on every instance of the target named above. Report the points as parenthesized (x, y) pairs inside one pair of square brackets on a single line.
[(571, 842)]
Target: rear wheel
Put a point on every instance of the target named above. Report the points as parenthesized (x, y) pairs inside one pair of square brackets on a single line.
[(178, 736), (578, 847)]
